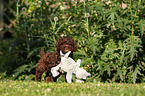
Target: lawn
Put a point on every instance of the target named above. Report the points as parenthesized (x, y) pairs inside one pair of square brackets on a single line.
[(31, 88)]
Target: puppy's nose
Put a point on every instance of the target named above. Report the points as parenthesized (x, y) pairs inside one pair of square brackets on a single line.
[(66, 49)]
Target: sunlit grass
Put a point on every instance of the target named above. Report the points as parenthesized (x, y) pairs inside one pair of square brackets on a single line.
[(31, 88)]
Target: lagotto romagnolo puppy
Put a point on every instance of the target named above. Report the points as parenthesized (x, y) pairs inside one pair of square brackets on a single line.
[(49, 60), (69, 66)]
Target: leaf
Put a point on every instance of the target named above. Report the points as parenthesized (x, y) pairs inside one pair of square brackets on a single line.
[(108, 68), (30, 77), (142, 27), (122, 57), (134, 75), (19, 70), (110, 47), (92, 44), (122, 72), (132, 43), (119, 72), (60, 27), (122, 23), (87, 61), (112, 17), (100, 66), (32, 52)]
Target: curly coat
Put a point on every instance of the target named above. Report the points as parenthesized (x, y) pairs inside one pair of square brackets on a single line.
[(49, 60)]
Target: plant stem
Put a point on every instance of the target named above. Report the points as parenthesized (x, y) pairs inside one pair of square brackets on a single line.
[(132, 28), (139, 2), (54, 32), (17, 12), (87, 25), (131, 17)]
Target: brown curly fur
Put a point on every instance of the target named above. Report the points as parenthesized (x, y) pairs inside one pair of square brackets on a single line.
[(49, 60)]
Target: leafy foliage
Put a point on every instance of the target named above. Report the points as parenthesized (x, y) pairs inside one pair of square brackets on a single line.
[(109, 34)]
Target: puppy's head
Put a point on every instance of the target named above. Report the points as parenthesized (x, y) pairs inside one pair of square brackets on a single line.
[(66, 44)]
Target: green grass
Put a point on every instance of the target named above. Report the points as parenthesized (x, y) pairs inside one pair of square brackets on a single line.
[(31, 88)]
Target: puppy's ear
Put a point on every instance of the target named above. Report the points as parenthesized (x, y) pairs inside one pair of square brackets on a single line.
[(67, 54), (61, 54)]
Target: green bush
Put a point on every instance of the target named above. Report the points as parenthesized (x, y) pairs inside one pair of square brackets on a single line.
[(4, 57), (109, 34)]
